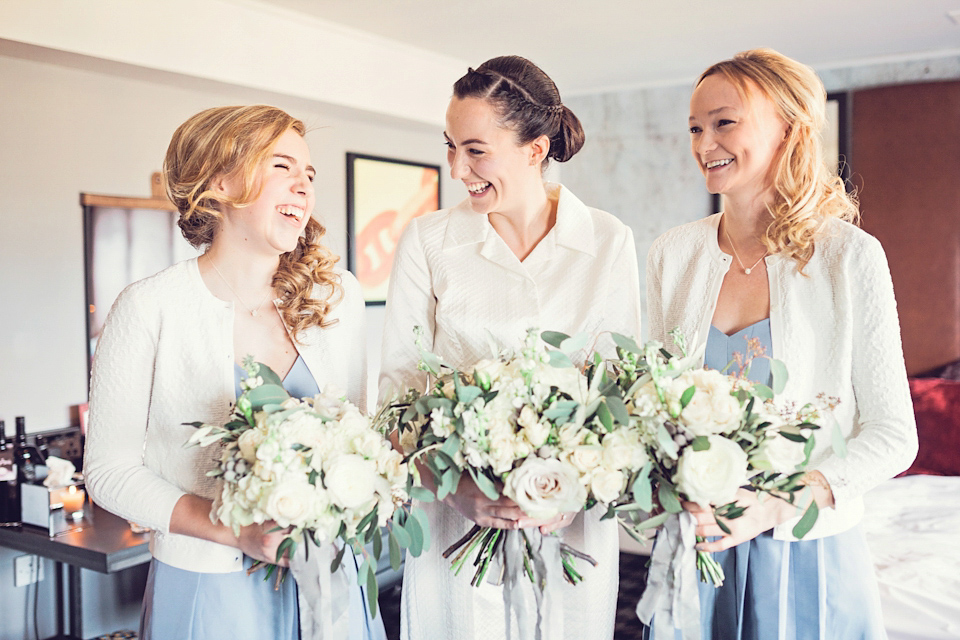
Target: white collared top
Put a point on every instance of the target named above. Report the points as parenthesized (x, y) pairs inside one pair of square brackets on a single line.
[(455, 276)]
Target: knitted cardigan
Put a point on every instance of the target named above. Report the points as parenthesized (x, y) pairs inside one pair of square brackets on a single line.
[(165, 358), (836, 329)]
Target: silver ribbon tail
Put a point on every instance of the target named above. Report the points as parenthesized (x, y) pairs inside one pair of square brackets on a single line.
[(671, 599), (324, 598), (547, 569)]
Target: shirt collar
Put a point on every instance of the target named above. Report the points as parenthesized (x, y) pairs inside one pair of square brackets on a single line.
[(573, 229)]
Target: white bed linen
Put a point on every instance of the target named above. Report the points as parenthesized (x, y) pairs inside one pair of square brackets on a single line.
[(912, 525)]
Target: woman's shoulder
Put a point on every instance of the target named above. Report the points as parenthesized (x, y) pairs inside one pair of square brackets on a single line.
[(841, 240), (174, 282), (689, 234)]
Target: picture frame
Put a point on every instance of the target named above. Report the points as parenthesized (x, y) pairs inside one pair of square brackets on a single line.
[(383, 195), (836, 143)]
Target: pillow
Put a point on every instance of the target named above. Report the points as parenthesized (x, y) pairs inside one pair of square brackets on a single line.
[(936, 404)]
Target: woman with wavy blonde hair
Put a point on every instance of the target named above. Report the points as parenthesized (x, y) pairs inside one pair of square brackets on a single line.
[(242, 181), (785, 266)]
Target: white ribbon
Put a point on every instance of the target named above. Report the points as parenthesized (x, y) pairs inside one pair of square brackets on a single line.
[(547, 595), (671, 599), (324, 598)]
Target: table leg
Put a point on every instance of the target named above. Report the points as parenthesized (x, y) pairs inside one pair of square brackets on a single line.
[(58, 593), (76, 602)]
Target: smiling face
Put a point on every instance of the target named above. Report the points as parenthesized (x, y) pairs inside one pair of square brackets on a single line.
[(275, 220), (496, 171), (734, 141)]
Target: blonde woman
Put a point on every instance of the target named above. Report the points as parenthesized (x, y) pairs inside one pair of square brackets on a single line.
[(785, 263), (242, 180), (517, 253)]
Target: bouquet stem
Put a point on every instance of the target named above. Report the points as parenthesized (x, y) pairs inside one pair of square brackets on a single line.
[(710, 569)]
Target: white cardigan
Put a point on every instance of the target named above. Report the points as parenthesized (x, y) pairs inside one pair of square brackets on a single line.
[(165, 358), (835, 328)]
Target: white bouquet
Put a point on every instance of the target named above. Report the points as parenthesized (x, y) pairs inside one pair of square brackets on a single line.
[(707, 435), (318, 468), (522, 425)]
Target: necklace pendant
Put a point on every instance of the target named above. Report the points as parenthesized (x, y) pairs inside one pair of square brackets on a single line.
[(747, 270), (255, 314)]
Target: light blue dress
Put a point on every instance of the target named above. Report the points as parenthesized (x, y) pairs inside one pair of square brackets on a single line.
[(823, 589), (187, 605)]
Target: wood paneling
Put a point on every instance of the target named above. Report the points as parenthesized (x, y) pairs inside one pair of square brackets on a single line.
[(906, 161)]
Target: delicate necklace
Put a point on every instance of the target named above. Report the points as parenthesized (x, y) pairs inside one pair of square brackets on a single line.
[(254, 312), (737, 255)]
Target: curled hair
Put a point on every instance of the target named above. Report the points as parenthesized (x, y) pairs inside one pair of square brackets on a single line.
[(236, 141), (806, 193), (527, 101)]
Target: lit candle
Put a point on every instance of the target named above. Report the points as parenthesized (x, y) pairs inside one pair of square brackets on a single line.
[(73, 499)]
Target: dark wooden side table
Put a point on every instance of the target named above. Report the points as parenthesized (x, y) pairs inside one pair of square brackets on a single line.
[(105, 544)]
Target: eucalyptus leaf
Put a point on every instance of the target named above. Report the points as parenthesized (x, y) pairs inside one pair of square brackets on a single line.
[(373, 593), (422, 494), (395, 555), (416, 536), (266, 394), (421, 517), (642, 490), (560, 360), (687, 396), (778, 371), (401, 535), (604, 415), (574, 343), (763, 391), (268, 375), (377, 545), (806, 523), (665, 440), (667, 496), (700, 443), (337, 559), (554, 338), (838, 442), (467, 394), (655, 521), (626, 343), (618, 410), (484, 483)]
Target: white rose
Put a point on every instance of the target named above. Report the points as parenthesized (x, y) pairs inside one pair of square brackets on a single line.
[(586, 457), (607, 484), (622, 449), (350, 480), (248, 443), (712, 476), (291, 503), (545, 488), (779, 454), (352, 421)]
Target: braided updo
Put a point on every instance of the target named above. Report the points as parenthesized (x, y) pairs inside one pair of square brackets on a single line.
[(527, 101)]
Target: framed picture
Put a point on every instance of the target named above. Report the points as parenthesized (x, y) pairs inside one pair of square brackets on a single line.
[(836, 143), (383, 195)]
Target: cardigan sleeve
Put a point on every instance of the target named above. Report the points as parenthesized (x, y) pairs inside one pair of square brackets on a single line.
[(354, 318), (411, 302), (655, 294), (885, 438), (120, 394)]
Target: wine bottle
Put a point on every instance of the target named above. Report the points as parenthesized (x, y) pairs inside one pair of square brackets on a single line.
[(24, 456), (9, 489)]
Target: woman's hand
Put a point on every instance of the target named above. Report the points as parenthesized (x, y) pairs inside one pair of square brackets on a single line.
[(258, 542), (759, 516), (502, 513)]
